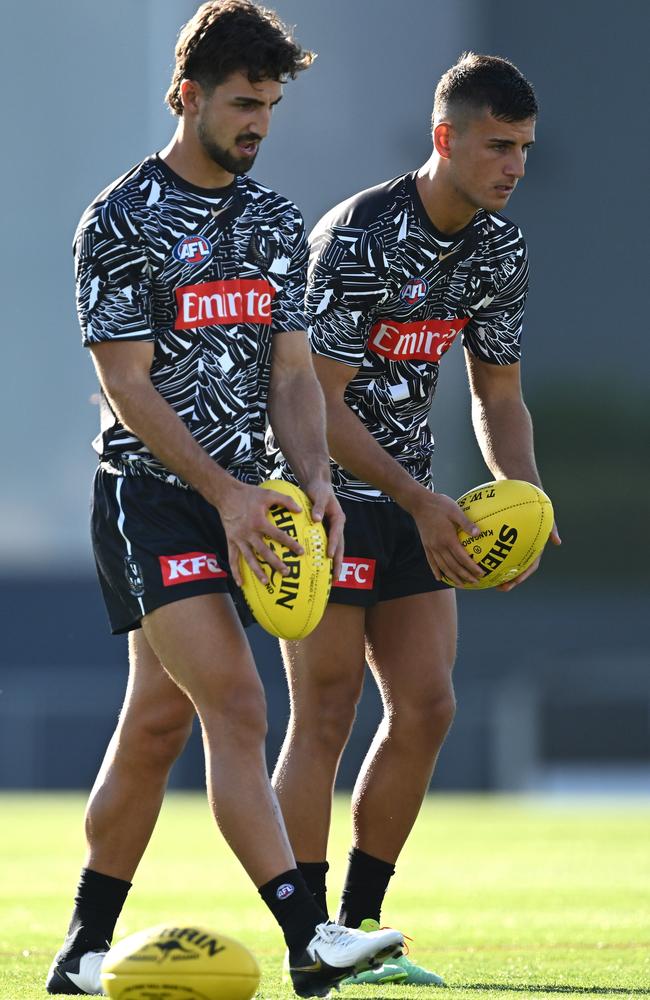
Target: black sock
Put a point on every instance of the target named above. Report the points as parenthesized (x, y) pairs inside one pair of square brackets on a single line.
[(314, 874), (364, 889), (295, 909), (97, 906)]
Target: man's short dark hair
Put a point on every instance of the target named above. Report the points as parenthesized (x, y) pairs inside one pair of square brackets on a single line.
[(476, 84), (229, 36)]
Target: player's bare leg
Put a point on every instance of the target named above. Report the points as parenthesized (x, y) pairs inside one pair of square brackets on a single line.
[(325, 676), (155, 722), (154, 725), (153, 728), (203, 647), (411, 647)]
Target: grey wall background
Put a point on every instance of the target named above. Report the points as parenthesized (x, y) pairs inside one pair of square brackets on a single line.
[(552, 679)]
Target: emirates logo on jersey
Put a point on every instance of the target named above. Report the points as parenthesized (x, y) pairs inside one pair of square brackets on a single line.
[(425, 340), (217, 303)]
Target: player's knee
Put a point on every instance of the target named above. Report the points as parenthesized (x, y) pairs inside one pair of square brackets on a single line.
[(248, 713), (239, 715), (170, 740), (158, 739), (437, 718), (427, 719), (329, 718), (442, 711), (334, 727)]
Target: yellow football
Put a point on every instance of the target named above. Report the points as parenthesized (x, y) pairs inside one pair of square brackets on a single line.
[(181, 962), (291, 606), (515, 519)]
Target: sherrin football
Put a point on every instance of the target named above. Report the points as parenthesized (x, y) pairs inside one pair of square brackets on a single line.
[(181, 962), (515, 519), (291, 606)]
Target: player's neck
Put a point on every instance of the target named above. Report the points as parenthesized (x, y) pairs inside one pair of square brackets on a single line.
[(448, 210), (185, 155)]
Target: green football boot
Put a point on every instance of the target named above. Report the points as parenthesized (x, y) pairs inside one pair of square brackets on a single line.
[(399, 971)]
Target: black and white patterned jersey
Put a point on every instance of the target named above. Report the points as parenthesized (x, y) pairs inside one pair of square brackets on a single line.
[(388, 294), (207, 276)]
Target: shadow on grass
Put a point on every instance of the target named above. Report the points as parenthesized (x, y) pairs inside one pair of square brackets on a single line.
[(585, 990)]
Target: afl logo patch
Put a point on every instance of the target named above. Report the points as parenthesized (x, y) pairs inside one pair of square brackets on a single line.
[(414, 290), (285, 890), (192, 249)]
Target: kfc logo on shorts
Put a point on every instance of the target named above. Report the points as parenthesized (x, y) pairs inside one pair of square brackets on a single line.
[(189, 566), (192, 249), (414, 290), (356, 574)]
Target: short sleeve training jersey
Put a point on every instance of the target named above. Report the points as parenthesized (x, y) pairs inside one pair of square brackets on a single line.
[(387, 294), (206, 276)]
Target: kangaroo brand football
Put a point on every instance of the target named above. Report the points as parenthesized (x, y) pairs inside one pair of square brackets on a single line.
[(291, 606), (171, 962), (515, 519)]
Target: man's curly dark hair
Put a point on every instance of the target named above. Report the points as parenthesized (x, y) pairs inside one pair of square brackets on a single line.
[(228, 36)]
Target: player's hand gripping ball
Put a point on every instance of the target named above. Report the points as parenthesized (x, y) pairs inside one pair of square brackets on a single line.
[(170, 962), (515, 519), (291, 606)]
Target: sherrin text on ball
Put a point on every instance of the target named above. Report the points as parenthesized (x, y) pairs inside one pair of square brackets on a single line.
[(514, 520)]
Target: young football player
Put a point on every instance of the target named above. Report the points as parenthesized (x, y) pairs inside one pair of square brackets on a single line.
[(396, 274)]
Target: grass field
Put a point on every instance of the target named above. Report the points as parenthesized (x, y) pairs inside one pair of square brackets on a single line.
[(500, 895)]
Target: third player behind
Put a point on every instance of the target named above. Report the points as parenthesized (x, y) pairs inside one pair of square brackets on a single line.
[(396, 274)]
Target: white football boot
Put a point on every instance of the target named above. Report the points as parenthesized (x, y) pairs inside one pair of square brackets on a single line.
[(336, 952), (77, 976)]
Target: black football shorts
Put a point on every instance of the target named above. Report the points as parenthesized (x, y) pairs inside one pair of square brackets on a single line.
[(384, 557), (155, 543)]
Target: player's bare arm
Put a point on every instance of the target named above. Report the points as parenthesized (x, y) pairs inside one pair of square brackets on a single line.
[(353, 446), (297, 414), (504, 430), (124, 372)]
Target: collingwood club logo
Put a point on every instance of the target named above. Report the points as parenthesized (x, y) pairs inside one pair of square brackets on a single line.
[(134, 578), (261, 250)]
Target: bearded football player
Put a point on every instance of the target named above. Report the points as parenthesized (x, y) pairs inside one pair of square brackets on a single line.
[(190, 290)]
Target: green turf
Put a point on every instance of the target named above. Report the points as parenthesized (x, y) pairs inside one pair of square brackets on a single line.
[(502, 896)]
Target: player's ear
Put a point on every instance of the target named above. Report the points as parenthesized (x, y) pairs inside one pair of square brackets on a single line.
[(191, 93), (442, 139)]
